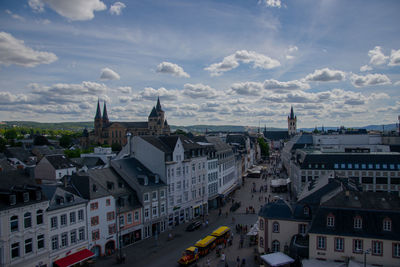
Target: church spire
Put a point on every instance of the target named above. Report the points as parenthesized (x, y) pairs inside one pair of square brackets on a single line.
[(105, 115), (158, 106), (291, 113), (98, 113)]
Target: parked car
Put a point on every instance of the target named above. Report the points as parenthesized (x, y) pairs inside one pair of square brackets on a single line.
[(193, 226)]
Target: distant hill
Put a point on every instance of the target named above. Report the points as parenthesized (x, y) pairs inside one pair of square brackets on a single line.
[(79, 126)]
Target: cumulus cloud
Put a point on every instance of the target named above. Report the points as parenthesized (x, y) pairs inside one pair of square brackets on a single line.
[(14, 16), (109, 74), (394, 58), (326, 75), (124, 89), (124, 99), (271, 3), (14, 51), (71, 9), (291, 50), (151, 94), (232, 61), (199, 91), (257, 88), (365, 68), (377, 57), (116, 8), (171, 68), (7, 98), (397, 83), (370, 79)]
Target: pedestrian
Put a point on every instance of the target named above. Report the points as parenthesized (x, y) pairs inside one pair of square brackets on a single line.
[(237, 261), (243, 262), (208, 262), (223, 256), (207, 223)]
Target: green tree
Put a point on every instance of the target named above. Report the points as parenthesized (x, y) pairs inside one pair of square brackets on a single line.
[(65, 141), (40, 140), (264, 147), (179, 131), (75, 153), (3, 143), (10, 134), (116, 147)]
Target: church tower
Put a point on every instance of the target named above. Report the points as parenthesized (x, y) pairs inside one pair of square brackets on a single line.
[(98, 123), (157, 123), (105, 115), (292, 123)]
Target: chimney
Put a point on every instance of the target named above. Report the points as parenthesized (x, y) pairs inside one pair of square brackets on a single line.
[(128, 137)]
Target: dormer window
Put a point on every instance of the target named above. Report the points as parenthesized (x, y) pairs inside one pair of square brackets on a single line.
[(387, 224), (330, 220), (306, 211), (13, 200), (26, 197), (357, 222)]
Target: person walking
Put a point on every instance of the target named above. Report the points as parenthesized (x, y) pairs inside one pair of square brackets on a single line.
[(237, 261), (243, 262), (223, 257), (208, 262)]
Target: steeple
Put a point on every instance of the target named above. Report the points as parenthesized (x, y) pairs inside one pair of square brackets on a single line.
[(105, 115), (158, 106), (153, 113), (291, 113), (98, 113)]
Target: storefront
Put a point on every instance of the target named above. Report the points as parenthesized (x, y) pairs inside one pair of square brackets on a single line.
[(75, 258)]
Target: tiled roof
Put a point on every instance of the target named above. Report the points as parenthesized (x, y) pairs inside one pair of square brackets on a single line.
[(276, 135), (60, 161), (60, 198)]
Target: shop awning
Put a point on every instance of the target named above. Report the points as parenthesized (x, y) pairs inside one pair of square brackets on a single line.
[(74, 258)]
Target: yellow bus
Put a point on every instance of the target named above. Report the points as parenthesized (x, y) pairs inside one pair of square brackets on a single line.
[(221, 234), (206, 244)]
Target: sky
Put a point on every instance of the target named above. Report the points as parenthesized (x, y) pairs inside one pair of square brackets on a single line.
[(233, 62)]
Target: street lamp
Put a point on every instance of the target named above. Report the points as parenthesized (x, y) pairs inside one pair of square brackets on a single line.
[(365, 252)]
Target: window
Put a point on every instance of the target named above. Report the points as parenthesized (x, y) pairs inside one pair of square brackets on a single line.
[(321, 242), (357, 246), (396, 250), (121, 220), (53, 222), (129, 218), (94, 206), (275, 246), (94, 220), (63, 220), (28, 245), (39, 217), (306, 210), (162, 209), (342, 166), (302, 229), (339, 244), (110, 216), (136, 216), (370, 166), (146, 197), (357, 222), (387, 224), (72, 217), (95, 235), (162, 193), (54, 242), (363, 166), (26, 196), (81, 233), (146, 213), (261, 224), (27, 220), (40, 241), (80, 215), (14, 223), (73, 236), (15, 250), (275, 227), (336, 166), (64, 240), (261, 242), (330, 220), (112, 229), (377, 247), (108, 202), (154, 211)]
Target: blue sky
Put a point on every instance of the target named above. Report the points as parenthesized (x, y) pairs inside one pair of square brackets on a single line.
[(211, 62)]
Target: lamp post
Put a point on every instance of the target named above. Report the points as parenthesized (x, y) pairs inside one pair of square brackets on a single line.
[(365, 256)]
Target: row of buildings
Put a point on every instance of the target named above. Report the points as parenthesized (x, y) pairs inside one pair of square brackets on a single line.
[(62, 211)]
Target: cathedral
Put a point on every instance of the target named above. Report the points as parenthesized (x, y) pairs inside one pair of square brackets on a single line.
[(108, 133), (292, 123)]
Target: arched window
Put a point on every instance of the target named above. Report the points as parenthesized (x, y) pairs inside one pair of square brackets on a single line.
[(261, 224), (275, 246), (330, 220), (275, 227), (27, 220), (357, 222), (387, 224), (39, 217), (14, 223), (261, 241)]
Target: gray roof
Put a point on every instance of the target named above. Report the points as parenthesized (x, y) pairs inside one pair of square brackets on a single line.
[(18, 153), (218, 143), (89, 162), (60, 161), (153, 140), (133, 124), (282, 210), (86, 186), (276, 135), (60, 198)]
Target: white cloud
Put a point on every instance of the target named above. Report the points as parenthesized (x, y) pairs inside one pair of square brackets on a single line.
[(370, 79), (109, 74), (116, 8), (326, 75), (199, 90), (14, 16), (6, 98), (232, 61), (257, 88), (291, 50), (397, 83), (151, 94), (377, 57), (125, 89), (13, 51), (171, 68), (365, 68), (71, 9), (394, 58), (290, 85), (271, 3)]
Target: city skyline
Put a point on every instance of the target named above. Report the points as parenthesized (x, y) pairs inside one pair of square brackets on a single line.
[(226, 62)]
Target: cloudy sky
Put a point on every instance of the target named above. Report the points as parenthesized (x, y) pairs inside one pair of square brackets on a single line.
[(240, 62)]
